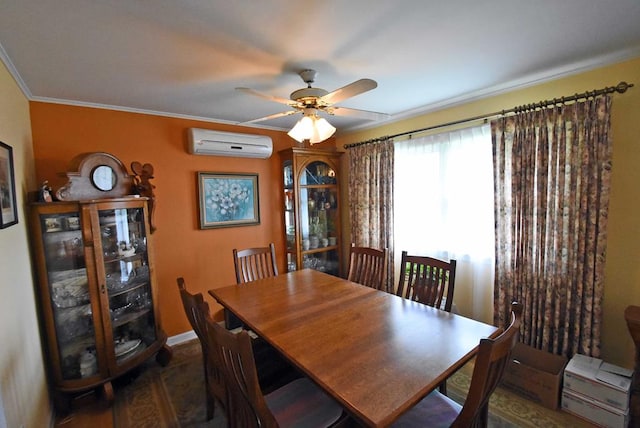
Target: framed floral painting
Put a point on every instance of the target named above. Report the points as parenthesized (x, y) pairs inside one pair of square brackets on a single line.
[(7, 187), (228, 199)]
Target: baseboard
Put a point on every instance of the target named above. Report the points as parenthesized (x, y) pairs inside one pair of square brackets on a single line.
[(181, 338)]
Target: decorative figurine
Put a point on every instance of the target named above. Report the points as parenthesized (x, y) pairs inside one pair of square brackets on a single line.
[(45, 192), (142, 186)]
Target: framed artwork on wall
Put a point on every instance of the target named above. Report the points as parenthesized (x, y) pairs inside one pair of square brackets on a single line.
[(7, 187), (228, 199)]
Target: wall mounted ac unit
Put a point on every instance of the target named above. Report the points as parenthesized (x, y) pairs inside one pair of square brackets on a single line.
[(218, 143)]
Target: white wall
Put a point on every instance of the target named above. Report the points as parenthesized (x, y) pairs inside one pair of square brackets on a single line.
[(23, 385)]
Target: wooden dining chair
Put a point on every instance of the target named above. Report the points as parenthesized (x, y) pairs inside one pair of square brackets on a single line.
[(251, 264), (273, 369), (214, 386), (368, 266), (255, 263), (632, 316), (438, 410), (299, 403), (427, 280)]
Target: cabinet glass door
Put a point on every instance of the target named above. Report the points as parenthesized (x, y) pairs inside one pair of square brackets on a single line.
[(126, 267), (69, 292), (319, 218), (290, 216)]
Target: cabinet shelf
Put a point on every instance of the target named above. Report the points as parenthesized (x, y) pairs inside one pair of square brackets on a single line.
[(320, 250), (80, 342), (129, 355), (317, 186), (66, 263), (76, 341), (136, 256), (129, 288), (128, 317), (75, 306)]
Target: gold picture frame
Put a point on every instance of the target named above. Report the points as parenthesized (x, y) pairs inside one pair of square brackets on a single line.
[(228, 199)]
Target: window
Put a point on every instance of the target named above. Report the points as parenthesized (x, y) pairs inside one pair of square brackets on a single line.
[(443, 208)]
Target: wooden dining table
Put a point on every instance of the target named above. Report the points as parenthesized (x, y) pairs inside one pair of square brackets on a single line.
[(376, 353)]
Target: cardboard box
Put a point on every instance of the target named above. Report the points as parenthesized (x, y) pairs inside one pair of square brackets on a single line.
[(594, 411), (601, 381), (535, 374)]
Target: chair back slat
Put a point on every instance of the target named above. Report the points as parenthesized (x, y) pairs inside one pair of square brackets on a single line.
[(368, 266), (427, 280), (255, 263)]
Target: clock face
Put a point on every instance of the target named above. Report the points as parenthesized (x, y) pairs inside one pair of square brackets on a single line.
[(103, 178)]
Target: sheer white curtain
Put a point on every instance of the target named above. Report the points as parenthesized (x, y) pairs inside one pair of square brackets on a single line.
[(443, 204)]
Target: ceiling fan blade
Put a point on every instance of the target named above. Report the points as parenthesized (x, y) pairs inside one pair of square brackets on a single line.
[(271, 116), (267, 96), (351, 90), (364, 114)]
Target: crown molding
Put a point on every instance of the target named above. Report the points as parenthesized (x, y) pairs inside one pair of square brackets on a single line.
[(14, 73), (513, 85)]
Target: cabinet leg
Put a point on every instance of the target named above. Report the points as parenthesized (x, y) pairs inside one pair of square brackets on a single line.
[(107, 393), (163, 357), (62, 403)]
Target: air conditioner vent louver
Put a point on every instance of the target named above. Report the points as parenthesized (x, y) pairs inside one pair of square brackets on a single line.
[(219, 143)]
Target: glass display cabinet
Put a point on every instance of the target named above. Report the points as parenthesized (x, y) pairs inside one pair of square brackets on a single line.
[(97, 292), (311, 209)]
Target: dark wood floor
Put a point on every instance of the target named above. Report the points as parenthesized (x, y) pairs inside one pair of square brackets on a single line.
[(87, 411)]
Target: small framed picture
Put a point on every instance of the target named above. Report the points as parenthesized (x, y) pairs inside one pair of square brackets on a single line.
[(7, 187), (228, 199), (72, 223), (53, 224)]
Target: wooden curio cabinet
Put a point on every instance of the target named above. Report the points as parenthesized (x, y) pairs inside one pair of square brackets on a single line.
[(311, 209), (97, 292)]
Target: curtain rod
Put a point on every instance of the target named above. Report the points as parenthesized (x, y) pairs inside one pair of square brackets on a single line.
[(620, 88)]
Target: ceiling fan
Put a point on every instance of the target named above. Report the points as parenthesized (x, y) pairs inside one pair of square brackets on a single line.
[(309, 101)]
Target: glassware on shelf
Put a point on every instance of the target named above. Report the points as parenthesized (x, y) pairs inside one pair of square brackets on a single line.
[(127, 279), (125, 249), (288, 175), (73, 322), (69, 288), (88, 363)]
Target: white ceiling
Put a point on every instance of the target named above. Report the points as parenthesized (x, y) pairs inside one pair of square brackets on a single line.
[(185, 57)]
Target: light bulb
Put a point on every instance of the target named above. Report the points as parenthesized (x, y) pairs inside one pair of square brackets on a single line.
[(311, 128)]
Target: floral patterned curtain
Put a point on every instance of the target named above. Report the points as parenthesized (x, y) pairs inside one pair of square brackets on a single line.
[(371, 197), (552, 171)]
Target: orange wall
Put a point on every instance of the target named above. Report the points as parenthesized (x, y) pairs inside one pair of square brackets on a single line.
[(203, 257)]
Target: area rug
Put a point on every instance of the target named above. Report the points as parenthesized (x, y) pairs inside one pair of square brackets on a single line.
[(166, 397), (173, 397), (507, 409)]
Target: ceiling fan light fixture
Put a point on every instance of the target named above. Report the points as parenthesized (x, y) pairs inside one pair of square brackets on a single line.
[(312, 128), (322, 130), (303, 130)]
